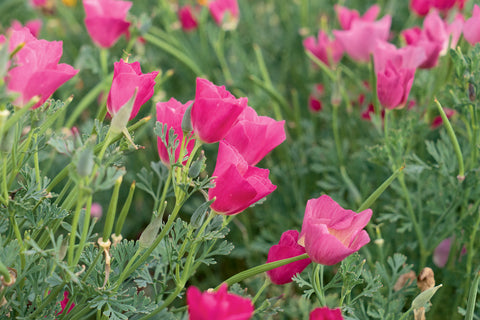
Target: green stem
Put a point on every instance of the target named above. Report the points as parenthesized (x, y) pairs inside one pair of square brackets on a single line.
[(318, 284), (73, 232), (321, 65), (266, 283), (104, 61), (50, 297), (4, 272), (261, 268), (275, 95), (471, 251), (473, 113), (374, 196), (88, 99), (453, 140), (219, 50), (176, 53), (125, 209), (112, 208), (18, 236), (416, 226), (131, 266), (64, 173), (404, 316), (86, 225), (37, 167), (472, 297)]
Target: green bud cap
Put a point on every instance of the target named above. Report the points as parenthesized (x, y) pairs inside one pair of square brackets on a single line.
[(187, 119)]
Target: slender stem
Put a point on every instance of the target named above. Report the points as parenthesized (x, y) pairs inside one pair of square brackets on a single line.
[(37, 167), (131, 267), (471, 251), (176, 53), (453, 140), (86, 225), (318, 284), (413, 219), (374, 196), (266, 283), (472, 297), (219, 50), (125, 209), (73, 232), (4, 272), (262, 268), (18, 236)]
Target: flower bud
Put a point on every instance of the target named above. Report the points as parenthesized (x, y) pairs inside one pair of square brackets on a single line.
[(187, 119), (197, 166), (121, 117), (85, 162)]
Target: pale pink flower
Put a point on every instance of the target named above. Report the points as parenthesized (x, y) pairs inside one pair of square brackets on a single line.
[(326, 50), (471, 28), (331, 233)]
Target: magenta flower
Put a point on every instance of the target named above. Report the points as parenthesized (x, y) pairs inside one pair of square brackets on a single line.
[(187, 19), (471, 28), (219, 9), (254, 136), (326, 314), (214, 111), (105, 20), (434, 37), (360, 41), (346, 16), (395, 69), (442, 252), (331, 233), (34, 26), (287, 247), (37, 71), (126, 78), (420, 7), (64, 303), (171, 113), (326, 50), (219, 305), (237, 184)]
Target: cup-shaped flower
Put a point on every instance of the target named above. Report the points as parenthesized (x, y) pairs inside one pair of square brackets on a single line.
[(105, 20), (219, 305), (326, 50), (287, 247), (237, 184), (219, 9), (254, 136), (347, 16), (37, 72), (187, 19), (171, 113), (214, 111), (471, 28), (395, 69), (360, 41), (331, 233), (326, 314), (128, 78)]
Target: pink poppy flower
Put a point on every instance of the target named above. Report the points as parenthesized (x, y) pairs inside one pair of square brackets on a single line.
[(326, 314), (346, 16), (471, 28), (219, 9), (34, 26), (420, 7), (331, 233), (360, 41), (254, 136), (326, 50), (171, 113), (187, 19), (434, 37), (126, 78), (105, 20), (287, 247), (37, 71), (64, 303), (237, 184), (219, 305), (395, 69), (214, 111), (442, 252)]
